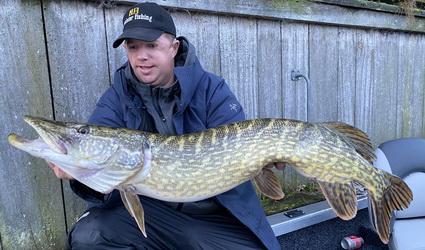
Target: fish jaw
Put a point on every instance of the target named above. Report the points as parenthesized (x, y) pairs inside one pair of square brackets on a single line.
[(75, 140), (49, 133), (58, 144), (37, 147), (90, 154), (40, 149)]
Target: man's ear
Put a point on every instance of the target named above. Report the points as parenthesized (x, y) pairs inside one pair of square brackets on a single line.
[(175, 45)]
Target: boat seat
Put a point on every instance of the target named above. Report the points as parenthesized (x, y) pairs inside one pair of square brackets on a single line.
[(405, 158)]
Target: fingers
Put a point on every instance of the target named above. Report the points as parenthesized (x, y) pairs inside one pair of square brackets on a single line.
[(59, 172), (50, 164), (280, 165), (277, 165)]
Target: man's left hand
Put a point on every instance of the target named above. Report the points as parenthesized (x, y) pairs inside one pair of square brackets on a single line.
[(277, 165)]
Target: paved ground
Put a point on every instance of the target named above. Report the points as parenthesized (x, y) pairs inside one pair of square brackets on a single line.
[(328, 235)]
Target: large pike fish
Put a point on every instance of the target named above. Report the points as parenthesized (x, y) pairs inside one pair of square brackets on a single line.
[(197, 166)]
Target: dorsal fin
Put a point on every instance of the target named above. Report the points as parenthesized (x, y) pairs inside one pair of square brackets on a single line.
[(354, 137)]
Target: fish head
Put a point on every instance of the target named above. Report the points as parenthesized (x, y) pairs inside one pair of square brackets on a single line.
[(94, 155)]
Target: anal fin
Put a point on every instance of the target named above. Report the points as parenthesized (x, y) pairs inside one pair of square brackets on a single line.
[(268, 183), (341, 197), (134, 207)]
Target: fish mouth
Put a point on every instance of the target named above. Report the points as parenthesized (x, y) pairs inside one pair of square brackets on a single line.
[(49, 137), (23, 143), (48, 133)]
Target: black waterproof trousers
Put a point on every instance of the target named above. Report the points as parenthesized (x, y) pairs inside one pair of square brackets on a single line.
[(166, 228)]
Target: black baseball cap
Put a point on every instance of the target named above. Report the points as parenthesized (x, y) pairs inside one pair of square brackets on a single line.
[(147, 22)]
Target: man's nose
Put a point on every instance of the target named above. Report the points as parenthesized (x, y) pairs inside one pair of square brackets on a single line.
[(142, 54)]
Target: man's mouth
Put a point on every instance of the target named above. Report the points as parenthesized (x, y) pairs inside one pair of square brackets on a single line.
[(145, 69)]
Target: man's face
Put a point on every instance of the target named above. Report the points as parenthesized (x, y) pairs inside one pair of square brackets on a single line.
[(153, 62)]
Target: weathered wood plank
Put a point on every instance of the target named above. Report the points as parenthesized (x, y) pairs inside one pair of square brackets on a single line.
[(31, 211), (312, 12), (78, 68), (238, 45), (294, 39), (377, 84), (78, 59), (363, 79), (202, 30), (270, 87), (411, 85), (377, 5), (384, 105), (323, 57), (419, 82), (113, 23), (346, 75)]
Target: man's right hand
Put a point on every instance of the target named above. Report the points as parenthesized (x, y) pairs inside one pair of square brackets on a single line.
[(59, 172)]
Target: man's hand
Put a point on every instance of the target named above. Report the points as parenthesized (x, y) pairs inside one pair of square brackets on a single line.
[(277, 165), (59, 172)]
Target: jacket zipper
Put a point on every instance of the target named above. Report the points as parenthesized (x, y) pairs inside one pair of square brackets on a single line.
[(157, 106)]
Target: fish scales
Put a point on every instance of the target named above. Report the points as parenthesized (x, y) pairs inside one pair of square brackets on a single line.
[(200, 165), (233, 156), (228, 157)]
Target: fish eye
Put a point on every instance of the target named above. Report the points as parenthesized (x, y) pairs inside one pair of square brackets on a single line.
[(83, 130)]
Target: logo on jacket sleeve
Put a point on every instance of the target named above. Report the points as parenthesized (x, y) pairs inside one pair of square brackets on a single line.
[(233, 107)]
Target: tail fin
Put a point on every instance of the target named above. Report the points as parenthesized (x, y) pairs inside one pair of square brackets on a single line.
[(396, 197)]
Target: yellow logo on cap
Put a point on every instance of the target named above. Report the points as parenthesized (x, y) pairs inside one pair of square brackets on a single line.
[(133, 11), (133, 14)]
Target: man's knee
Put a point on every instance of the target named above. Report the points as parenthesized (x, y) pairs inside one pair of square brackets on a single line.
[(103, 228)]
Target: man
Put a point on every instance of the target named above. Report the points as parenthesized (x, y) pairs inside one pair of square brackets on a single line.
[(163, 89)]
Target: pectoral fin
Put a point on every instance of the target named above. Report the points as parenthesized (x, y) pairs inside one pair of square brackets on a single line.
[(134, 207), (268, 184), (342, 198)]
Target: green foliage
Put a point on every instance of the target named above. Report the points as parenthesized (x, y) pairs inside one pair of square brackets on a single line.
[(298, 6), (408, 6), (300, 196)]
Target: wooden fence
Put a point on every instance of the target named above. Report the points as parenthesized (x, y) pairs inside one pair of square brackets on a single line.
[(366, 68)]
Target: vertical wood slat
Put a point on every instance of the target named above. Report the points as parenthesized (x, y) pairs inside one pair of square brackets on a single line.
[(385, 86), (346, 70), (238, 45), (294, 53), (113, 25), (363, 79), (377, 84), (411, 85), (31, 212), (270, 86), (202, 31), (323, 67), (78, 67)]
